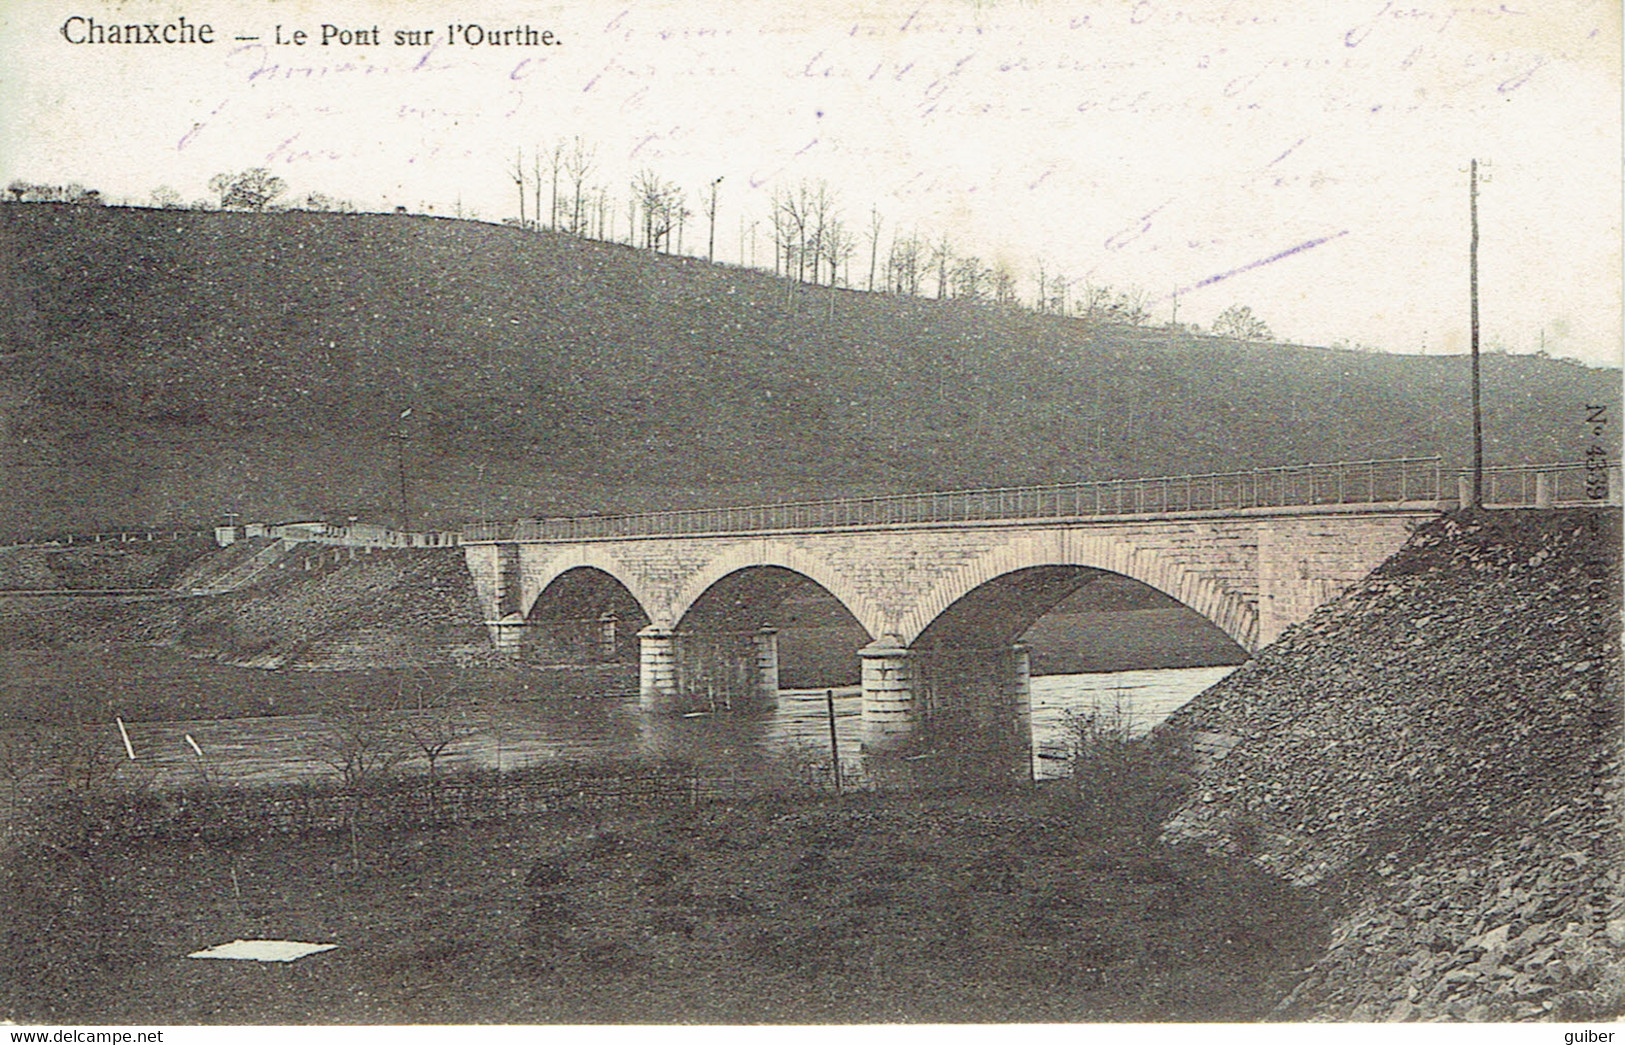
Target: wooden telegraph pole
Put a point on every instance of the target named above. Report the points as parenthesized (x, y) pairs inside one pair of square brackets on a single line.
[(400, 438), (1478, 426), (711, 241)]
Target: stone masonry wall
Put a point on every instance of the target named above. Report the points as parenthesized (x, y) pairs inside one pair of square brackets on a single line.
[(1251, 575)]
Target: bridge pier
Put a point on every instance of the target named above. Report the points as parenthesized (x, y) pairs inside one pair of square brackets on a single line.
[(966, 700), (659, 688), (977, 704), (766, 640), (676, 669), (889, 714)]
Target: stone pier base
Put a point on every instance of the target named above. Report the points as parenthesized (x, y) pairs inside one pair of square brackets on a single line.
[(659, 686), (507, 633), (767, 667), (890, 716)]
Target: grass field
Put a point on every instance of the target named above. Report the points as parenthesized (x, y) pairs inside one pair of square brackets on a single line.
[(865, 909)]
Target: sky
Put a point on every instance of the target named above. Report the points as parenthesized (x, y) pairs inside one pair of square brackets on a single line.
[(1307, 160)]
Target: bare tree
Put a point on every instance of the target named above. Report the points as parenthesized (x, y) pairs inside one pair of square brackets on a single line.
[(77, 759), (970, 278), (1004, 284), (874, 243), (558, 165), (433, 720), (784, 217), (838, 245), (1099, 304), (942, 255), (606, 212), (73, 192), (253, 189), (793, 217), (1238, 322), (1058, 286), (320, 201), (906, 263), (1095, 301), (362, 748), (822, 210), (536, 180), (711, 216), (517, 173), (662, 205), (577, 166), (167, 198)]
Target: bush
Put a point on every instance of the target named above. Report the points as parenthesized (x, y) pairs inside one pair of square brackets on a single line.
[(1115, 777)]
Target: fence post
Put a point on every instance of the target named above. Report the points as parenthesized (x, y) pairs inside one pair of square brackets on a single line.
[(834, 743)]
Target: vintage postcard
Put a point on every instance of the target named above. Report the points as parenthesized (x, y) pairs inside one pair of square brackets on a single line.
[(850, 512)]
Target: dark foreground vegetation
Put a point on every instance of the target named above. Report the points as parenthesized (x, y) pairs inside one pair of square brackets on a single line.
[(1024, 906)]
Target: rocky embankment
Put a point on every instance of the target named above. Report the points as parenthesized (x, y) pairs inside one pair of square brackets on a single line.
[(312, 607), (1440, 752), (144, 564), (336, 608)]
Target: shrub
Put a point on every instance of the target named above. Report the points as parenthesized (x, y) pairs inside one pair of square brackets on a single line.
[(1117, 777)]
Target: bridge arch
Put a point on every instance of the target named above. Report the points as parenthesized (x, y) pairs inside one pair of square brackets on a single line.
[(761, 553), (1202, 592), (537, 576)]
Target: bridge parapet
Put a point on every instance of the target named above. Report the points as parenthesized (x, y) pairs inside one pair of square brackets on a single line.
[(1396, 482)]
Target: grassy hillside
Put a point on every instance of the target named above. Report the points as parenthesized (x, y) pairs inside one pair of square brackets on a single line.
[(167, 365)]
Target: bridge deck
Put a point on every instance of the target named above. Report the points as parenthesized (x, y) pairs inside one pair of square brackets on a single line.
[(1399, 485)]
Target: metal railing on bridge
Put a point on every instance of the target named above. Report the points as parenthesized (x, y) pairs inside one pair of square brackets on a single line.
[(1396, 481), (111, 537), (1568, 484)]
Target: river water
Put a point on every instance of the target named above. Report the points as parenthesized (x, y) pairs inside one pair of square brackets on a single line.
[(512, 735)]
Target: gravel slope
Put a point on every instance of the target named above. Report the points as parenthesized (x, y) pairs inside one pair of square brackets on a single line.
[(1439, 751)]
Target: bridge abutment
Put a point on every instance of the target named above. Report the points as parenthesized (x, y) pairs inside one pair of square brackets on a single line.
[(507, 633)]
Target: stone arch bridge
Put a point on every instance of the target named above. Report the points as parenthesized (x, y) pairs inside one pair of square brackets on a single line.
[(966, 573)]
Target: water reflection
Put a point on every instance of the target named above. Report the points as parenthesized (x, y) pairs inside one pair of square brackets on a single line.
[(513, 735)]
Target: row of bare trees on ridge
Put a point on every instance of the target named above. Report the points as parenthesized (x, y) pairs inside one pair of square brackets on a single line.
[(812, 241)]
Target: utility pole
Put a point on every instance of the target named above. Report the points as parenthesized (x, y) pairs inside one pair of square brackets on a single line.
[(711, 243), (400, 466), (536, 171), (519, 180), (1478, 428)]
